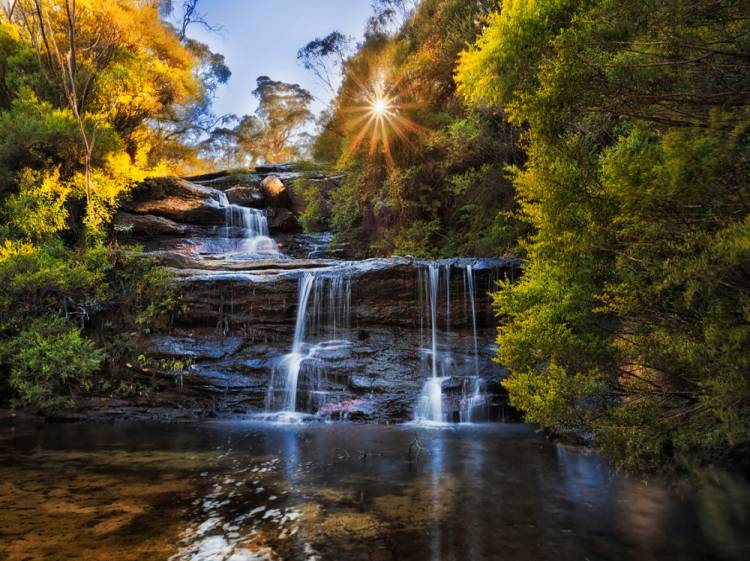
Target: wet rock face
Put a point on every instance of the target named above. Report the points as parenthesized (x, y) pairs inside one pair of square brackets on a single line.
[(384, 291), (284, 221), (378, 380), (238, 320)]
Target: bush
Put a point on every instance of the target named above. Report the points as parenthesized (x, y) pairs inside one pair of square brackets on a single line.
[(47, 361)]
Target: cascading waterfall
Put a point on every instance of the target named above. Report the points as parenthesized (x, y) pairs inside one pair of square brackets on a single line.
[(472, 304), (430, 404), (252, 224), (473, 398), (323, 312), (292, 362)]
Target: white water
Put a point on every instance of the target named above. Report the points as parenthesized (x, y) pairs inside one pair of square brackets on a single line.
[(323, 310), (292, 362), (470, 283), (430, 404), (245, 232)]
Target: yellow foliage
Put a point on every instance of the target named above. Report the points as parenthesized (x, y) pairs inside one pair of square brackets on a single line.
[(38, 209)]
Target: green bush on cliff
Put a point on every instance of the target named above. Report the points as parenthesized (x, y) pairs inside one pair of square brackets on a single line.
[(48, 360), (315, 216)]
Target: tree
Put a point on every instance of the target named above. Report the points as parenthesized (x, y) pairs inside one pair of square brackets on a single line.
[(64, 57), (274, 133), (389, 16), (115, 65), (631, 321), (83, 84), (325, 57), (425, 176)]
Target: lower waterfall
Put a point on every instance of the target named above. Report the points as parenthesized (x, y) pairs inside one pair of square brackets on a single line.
[(430, 404), (323, 312)]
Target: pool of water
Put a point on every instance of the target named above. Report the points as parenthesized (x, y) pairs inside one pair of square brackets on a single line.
[(247, 491)]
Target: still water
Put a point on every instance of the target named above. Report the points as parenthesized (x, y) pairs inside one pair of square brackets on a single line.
[(239, 491)]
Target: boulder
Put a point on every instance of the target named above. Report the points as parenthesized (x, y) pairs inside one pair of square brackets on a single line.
[(147, 225), (276, 192), (177, 200), (246, 196), (284, 221)]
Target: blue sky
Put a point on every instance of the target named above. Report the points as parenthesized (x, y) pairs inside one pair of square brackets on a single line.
[(261, 37)]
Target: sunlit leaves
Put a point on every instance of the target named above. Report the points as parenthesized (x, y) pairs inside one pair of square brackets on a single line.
[(636, 189)]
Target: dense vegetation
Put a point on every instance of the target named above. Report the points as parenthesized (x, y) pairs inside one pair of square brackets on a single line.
[(632, 321), (432, 182), (94, 97)]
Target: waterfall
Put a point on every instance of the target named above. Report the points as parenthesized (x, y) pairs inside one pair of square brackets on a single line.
[(292, 362), (430, 405), (434, 286), (323, 311), (472, 302), (472, 398), (252, 224)]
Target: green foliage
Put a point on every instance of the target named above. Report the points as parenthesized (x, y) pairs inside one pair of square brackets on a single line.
[(631, 320), (439, 186), (38, 210), (142, 290), (70, 300), (51, 279), (315, 217), (33, 135), (122, 294), (48, 360)]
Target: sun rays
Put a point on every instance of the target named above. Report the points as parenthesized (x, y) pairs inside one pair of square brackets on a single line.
[(377, 116)]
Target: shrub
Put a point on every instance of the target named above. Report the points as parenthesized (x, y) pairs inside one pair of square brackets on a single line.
[(47, 361)]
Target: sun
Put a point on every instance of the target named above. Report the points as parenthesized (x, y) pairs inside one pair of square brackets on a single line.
[(378, 110), (380, 107)]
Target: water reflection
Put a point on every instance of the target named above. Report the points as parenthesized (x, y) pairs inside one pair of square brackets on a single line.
[(253, 491)]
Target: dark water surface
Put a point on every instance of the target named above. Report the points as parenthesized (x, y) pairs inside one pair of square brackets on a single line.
[(248, 491)]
